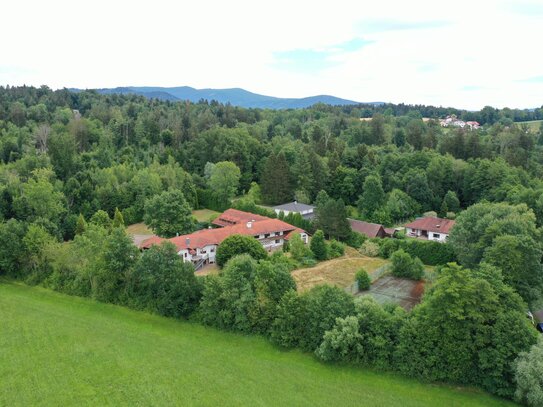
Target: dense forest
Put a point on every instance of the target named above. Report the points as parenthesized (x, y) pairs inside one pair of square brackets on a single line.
[(75, 167)]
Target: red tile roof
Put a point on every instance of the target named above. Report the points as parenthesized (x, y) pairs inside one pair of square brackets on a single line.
[(151, 241), (368, 229), (235, 216), (432, 224), (207, 237)]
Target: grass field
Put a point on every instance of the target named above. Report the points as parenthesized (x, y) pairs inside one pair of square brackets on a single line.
[(61, 350), (533, 125), (138, 229), (205, 215), (201, 215), (339, 272)]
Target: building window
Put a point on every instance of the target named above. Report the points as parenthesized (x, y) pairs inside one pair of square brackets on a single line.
[(278, 241), (266, 235), (435, 235)]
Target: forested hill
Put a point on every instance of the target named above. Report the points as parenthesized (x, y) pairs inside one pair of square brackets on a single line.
[(234, 96), (77, 166)]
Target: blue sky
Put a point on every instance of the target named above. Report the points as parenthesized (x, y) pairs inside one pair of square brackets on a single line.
[(466, 54), (313, 60)]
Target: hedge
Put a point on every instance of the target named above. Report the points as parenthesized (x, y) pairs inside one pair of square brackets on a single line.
[(430, 253)]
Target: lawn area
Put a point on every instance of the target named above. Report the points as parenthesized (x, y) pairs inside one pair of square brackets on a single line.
[(61, 350), (339, 272), (138, 229), (205, 215)]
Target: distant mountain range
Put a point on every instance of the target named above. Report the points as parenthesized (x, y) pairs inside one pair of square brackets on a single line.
[(234, 96)]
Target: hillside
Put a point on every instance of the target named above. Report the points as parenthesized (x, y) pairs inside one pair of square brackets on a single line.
[(62, 350), (234, 96)]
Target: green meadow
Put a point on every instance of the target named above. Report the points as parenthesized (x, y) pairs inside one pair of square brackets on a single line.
[(60, 350)]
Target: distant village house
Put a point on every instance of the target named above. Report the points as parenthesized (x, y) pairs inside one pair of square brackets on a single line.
[(453, 121)]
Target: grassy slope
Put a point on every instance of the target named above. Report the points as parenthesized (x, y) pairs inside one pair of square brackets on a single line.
[(62, 350), (339, 272)]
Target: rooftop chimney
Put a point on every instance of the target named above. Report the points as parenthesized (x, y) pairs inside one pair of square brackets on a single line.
[(187, 242), (249, 224), (295, 202)]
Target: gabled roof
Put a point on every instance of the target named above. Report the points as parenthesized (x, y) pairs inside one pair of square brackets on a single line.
[(367, 228), (432, 224), (235, 216), (206, 237), (151, 241), (294, 207)]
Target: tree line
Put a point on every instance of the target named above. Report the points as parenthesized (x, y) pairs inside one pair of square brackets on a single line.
[(75, 167)]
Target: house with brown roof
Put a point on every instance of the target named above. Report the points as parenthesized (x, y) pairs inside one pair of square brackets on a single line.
[(371, 230), (430, 228), (200, 247)]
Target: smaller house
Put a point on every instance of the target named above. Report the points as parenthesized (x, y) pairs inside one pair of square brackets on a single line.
[(307, 211), (370, 229), (430, 228)]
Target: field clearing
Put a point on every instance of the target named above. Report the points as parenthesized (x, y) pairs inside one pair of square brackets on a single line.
[(66, 351), (533, 125), (205, 215), (339, 272), (138, 229)]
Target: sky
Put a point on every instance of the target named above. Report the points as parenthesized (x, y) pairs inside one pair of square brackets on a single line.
[(465, 54)]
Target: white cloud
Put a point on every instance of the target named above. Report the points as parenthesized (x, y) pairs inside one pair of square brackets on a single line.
[(467, 55)]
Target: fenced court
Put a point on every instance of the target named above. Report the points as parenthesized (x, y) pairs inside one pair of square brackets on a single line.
[(404, 292)]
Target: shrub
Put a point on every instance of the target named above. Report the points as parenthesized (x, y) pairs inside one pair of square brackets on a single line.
[(308, 262), (239, 244), (303, 319), (298, 249), (244, 297), (403, 265), (163, 283), (370, 248), (336, 249), (279, 258), (430, 253), (369, 337), (387, 247), (363, 280), (355, 239)]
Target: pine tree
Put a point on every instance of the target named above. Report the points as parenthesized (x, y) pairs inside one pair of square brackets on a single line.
[(318, 245), (118, 220)]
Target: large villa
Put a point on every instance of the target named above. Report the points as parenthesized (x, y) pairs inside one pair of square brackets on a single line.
[(200, 247)]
